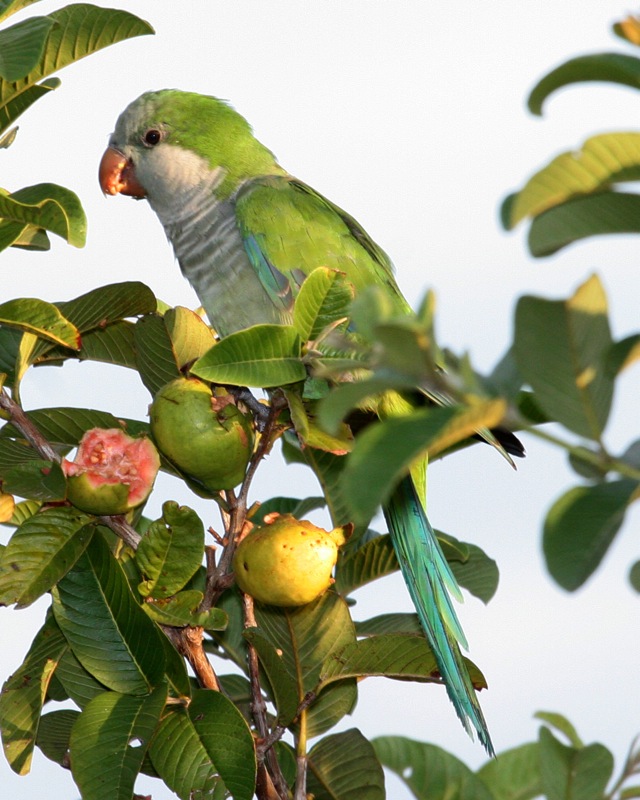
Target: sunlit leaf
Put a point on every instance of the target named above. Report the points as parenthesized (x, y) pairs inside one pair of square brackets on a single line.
[(41, 318), (260, 356), (48, 206), (21, 46), (23, 695), (324, 298)]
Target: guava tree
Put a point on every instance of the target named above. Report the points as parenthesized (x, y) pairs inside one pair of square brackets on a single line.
[(151, 659)]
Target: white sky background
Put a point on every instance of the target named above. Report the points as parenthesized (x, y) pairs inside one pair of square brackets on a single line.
[(411, 116)]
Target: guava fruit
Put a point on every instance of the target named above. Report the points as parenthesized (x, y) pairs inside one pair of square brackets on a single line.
[(203, 433), (287, 562), (112, 472)]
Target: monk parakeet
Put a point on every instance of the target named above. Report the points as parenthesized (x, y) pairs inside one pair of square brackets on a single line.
[(246, 234)]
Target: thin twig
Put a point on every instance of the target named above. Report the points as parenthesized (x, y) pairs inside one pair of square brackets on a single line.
[(259, 707)]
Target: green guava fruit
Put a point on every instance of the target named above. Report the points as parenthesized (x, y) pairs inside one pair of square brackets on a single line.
[(204, 434), (287, 562), (112, 472)]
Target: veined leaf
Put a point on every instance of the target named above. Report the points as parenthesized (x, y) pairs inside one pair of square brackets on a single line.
[(54, 733), (429, 771), (79, 30), (602, 160), (182, 609), (561, 348), (9, 7), (36, 479), (171, 551), (324, 298), (609, 67), (390, 623), (107, 304), (311, 434), (344, 766), (23, 696), (156, 359), (21, 47), (190, 336), (581, 217), (260, 356), (581, 525), (48, 206), (40, 318), (43, 549), (111, 636), (109, 741), (392, 655)]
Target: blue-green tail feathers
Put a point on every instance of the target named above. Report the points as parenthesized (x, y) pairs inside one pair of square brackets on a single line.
[(431, 585)]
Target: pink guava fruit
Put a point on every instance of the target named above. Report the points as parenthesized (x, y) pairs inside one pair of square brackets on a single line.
[(112, 472)]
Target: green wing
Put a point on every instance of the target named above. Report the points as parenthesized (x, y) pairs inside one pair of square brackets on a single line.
[(288, 230)]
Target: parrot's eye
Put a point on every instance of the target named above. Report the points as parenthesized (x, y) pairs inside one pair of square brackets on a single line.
[(152, 137)]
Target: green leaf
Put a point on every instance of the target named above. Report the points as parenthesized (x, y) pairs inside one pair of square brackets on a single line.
[(111, 345), (515, 775), (21, 47), (299, 639), (570, 773), (65, 426), (37, 480), (191, 337), (634, 576), (610, 67), (624, 353), (602, 213), (343, 399), (561, 349), (562, 724), (430, 772), (602, 160), (373, 560), (344, 767), (260, 356), (23, 696), (324, 298), (111, 636), (9, 7), (580, 526), (180, 758), (171, 551), (41, 318), (311, 434), (227, 740), (156, 360), (295, 506), (43, 549), (77, 683), (393, 655), (182, 609), (54, 732), (390, 623), (368, 480), (79, 30), (108, 304), (478, 573), (109, 741), (48, 206)]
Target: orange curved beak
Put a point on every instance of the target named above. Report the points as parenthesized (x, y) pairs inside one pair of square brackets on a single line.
[(117, 175)]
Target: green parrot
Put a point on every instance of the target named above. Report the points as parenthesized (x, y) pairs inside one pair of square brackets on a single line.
[(246, 234)]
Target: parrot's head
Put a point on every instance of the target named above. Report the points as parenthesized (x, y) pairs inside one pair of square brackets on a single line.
[(168, 143)]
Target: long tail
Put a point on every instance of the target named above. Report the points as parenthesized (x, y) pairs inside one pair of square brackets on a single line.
[(431, 585)]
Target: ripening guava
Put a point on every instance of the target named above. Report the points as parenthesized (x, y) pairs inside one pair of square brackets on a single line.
[(204, 434), (287, 562), (112, 472)]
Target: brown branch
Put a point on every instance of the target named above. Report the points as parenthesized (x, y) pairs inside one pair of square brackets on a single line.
[(188, 642)]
